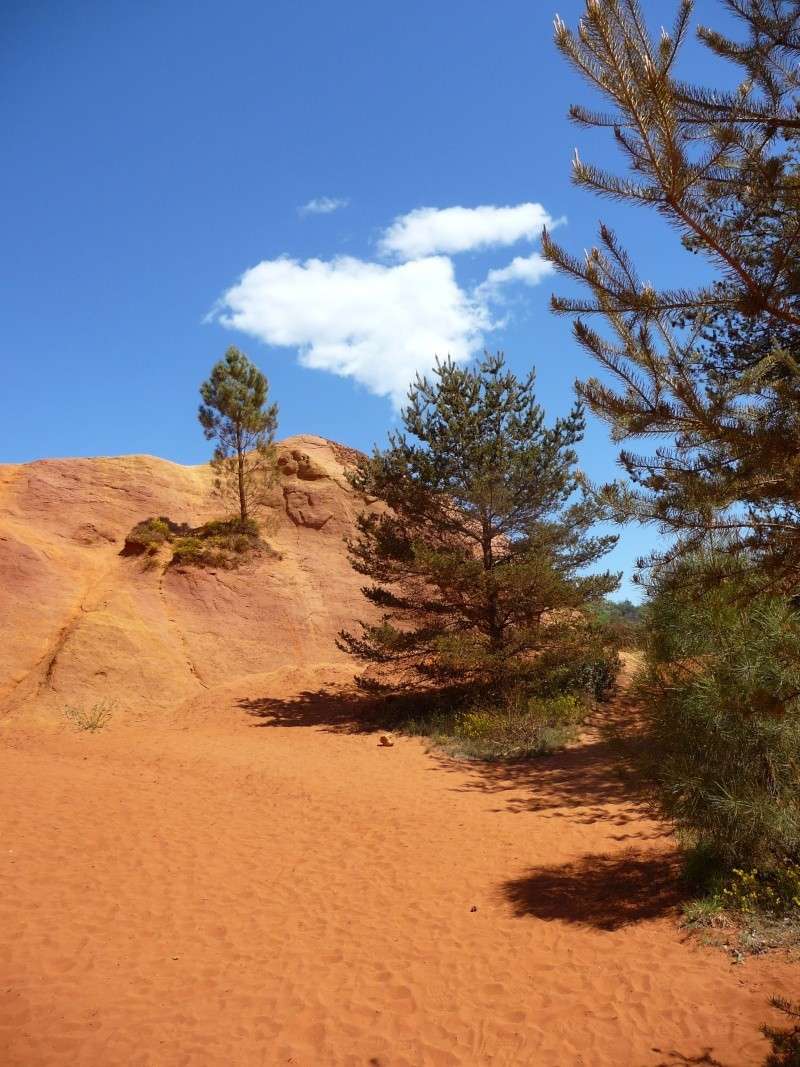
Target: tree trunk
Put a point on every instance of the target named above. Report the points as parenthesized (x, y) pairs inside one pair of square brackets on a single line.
[(242, 493), (495, 630)]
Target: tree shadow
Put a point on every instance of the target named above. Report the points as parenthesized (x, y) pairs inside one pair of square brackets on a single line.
[(604, 892), (588, 783), (589, 776), (679, 1059), (340, 710)]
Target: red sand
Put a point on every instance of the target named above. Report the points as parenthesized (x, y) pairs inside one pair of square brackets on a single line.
[(231, 874), (251, 881)]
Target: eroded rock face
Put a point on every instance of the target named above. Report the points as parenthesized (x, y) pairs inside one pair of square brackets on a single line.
[(305, 508), (84, 622), (298, 464)]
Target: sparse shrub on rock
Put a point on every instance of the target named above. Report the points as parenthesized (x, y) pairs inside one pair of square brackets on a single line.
[(224, 543)]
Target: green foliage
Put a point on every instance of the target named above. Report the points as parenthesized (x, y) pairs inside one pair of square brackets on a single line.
[(772, 892), (586, 661), (707, 910), (508, 726), (722, 694), (479, 563), (622, 620), (91, 719), (520, 727), (150, 534), (220, 543), (234, 413), (711, 372)]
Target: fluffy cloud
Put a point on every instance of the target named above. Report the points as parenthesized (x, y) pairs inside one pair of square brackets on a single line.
[(375, 323), (429, 230), (529, 270), (323, 205)]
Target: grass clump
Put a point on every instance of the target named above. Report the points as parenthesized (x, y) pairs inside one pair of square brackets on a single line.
[(520, 727), (91, 719), (220, 543), (494, 727), (150, 534)]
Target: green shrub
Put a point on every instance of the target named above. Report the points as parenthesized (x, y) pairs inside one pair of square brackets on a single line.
[(515, 725), (188, 550), (590, 666), (773, 892), (219, 543), (520, 726), (622, 620), (149, 535), (722, 693), (248, 528)]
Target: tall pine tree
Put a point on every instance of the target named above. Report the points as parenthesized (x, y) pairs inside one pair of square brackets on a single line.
[(478, 562), (234, 413), (714, 370)]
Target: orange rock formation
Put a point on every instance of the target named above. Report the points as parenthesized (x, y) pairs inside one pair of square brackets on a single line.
[(83, 622)]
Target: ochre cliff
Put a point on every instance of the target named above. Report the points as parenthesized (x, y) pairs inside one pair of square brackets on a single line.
[(83, 622)]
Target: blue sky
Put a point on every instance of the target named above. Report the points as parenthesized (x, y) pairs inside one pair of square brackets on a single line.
[(157, 153)]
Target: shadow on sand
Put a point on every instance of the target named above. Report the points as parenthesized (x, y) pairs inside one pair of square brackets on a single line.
[(605, 892), (578, 783), (589, 783), (340, 710), (678, 1059)]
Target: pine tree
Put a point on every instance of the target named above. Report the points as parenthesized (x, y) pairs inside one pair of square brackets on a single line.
[(235, 415), (478, 559), (715, 370)]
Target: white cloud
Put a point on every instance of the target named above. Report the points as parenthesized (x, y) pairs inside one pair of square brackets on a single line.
[(429, 230), (323, 205), (529, 270), (374, 323)]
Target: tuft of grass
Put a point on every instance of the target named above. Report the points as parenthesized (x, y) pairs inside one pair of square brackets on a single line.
[(706, 911), (91, 719)]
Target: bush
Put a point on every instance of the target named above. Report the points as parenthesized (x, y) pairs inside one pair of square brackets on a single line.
[(219, 543), (622, 620), (722, 688), (515, 725), (149, 535), (521, 726), (92, 719), (248, 528), (587, 664), (775, 892)]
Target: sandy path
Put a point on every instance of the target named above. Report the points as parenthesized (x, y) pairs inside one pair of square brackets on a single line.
[(240, 889)]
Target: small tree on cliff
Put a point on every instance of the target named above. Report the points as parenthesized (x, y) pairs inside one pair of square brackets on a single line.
[(478, 560), (234, 413)]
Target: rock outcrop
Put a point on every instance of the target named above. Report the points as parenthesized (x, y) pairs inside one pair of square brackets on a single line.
[(83, 621)]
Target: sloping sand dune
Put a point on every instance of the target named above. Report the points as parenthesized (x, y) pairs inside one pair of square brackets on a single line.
[(254, 880)]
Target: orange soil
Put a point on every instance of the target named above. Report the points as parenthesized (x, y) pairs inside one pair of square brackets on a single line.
[(252, 879)]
